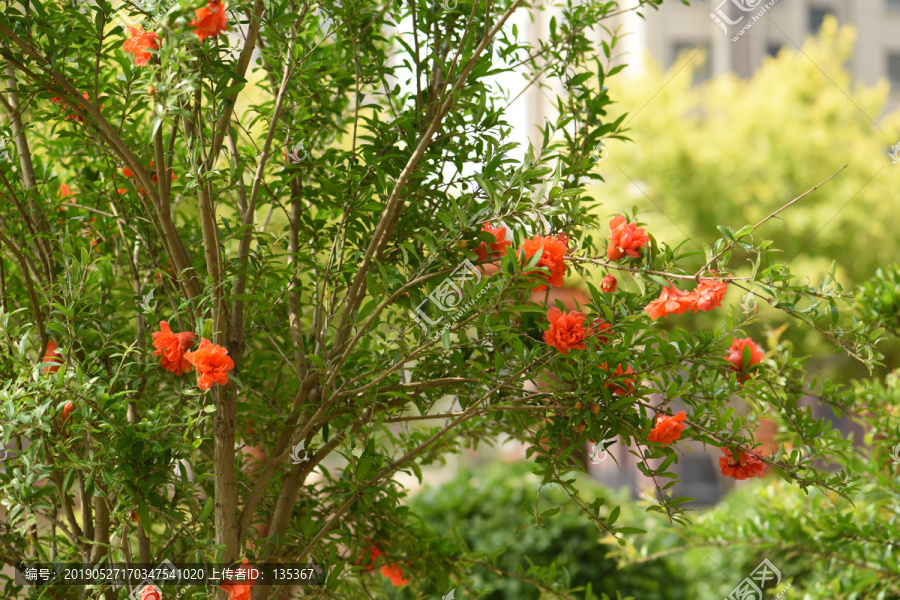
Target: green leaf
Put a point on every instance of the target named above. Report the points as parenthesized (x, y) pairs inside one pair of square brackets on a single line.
[(207, 509), (144, 514)]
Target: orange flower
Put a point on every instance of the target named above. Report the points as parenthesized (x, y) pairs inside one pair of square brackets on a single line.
[(135, 516), (708, 295), (211, 20), (153, 177), (736, 353), (241, 587), (212, 363), (73, 116), (374, 553), (63, 191), (66, 411), (566, 331), (671, 300), (172, 347), (667, 429), (625, 238), (498, 247), (395, 574), (151, 592), (598, 328), (748, 465), (52, 356), (141, 41), (627, 382), (608, 284), (551, 258)]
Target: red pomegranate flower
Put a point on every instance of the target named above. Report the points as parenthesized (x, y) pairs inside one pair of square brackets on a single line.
[(671, 300), (211, 20), (395, 574), (498, 247), (667, 429), (625, 238), (172, 347), (708, 295), (141, 41), (52, 356), (566, 331), (212, 363), (736, 353), (551, 258), (151, 592), (66, 411), (748, 465), (374, 553), (73, 116), (608, 284), (241, 587), (627, 383)]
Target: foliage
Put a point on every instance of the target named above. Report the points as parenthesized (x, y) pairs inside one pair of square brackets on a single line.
[(729, 151), (310, 272), (483, 507)]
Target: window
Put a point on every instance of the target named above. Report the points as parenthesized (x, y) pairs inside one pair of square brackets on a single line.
[(893, 68), (817, 17), (702, 68)]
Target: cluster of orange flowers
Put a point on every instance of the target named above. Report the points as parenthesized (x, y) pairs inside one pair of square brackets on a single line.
[(707, 296), (211, 21), (211, 360), (552, 257)]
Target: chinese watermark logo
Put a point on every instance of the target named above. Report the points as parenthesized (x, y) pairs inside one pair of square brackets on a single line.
[(896, 455), (4, 454), (450, 595), (598, 457), (751, 587), (297, 154), (448, 296), (895, 153), (4, 155), (295, 453), (447, 6), (748, 304), (722, 19), (167, 570), (600, 152)]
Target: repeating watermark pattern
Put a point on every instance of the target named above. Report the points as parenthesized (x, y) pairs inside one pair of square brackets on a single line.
[(6, 453), (451, 595), (895, 454), (147, 304), (748, 304), (4, 155), (895, 153), (751, 588), (598, 454), (165, 569), (128, 18), (447, 6), (295, 453), (722, 18), (600, 152), (448, 295), (297, 154)]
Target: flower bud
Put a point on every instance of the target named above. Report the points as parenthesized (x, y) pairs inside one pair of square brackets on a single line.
[(608, 284)]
